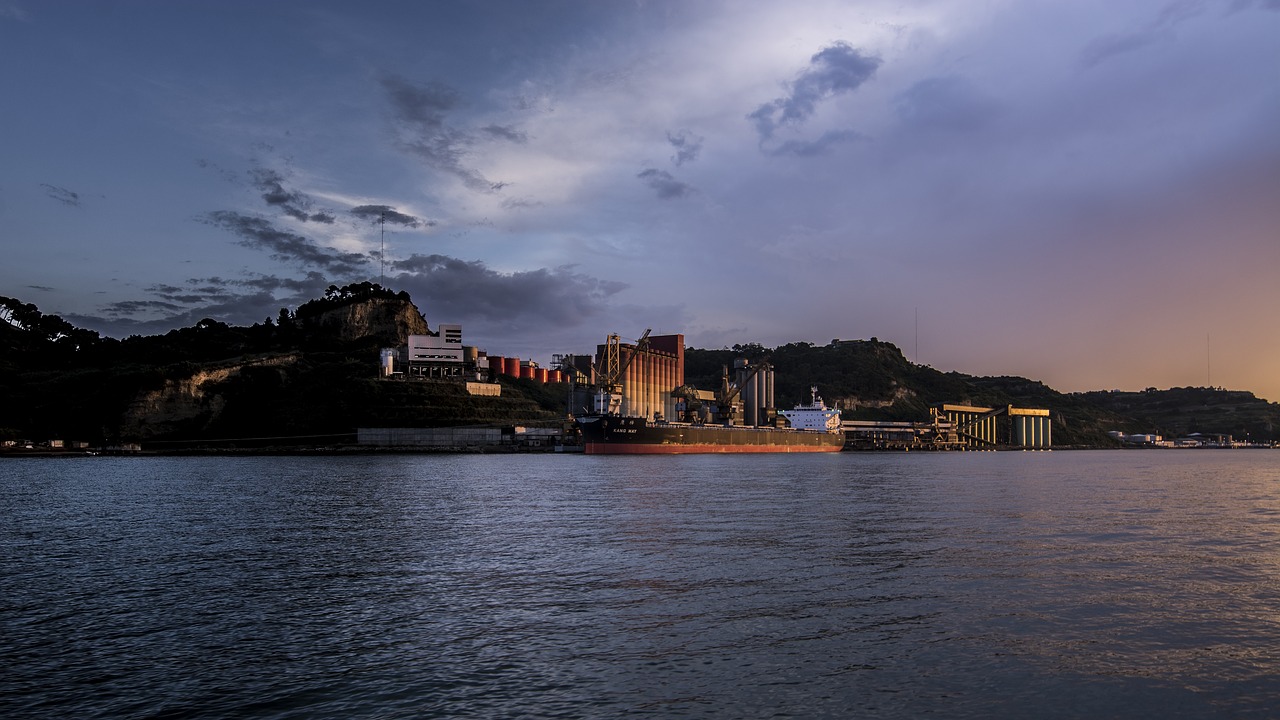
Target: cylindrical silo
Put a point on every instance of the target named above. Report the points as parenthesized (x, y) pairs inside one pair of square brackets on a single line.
[(388, 363)]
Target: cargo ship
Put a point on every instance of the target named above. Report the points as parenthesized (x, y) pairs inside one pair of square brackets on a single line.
[(813, 428)]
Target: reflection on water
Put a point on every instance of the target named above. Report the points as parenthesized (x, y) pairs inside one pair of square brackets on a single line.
[(963, 585)]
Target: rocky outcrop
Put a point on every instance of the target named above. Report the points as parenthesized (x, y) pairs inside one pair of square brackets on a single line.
[(390, 320), (189, 404), (853, 402)]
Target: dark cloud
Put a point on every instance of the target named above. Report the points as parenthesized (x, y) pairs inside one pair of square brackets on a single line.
[(463, 289), (506, 132), (131, 308), (420, 112), (812, 148), (520, 203), (832, 71), (376, 213), (292, 291), (661, 182), (62, 195), (687, 146), (242, 301), (459, 290), (41, 288), (291, 202), (944, 103), (225, 174), (284, 246), (196, 292), (422, 106)]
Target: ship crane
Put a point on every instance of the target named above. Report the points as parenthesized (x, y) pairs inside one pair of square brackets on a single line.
[(610, 371)]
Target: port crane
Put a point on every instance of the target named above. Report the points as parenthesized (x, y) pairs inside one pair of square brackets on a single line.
[(610, 371), (729, 391)]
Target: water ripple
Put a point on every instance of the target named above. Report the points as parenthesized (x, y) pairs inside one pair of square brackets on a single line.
[(965, 585)]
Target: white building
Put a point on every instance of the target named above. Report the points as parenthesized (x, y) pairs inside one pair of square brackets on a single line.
[(446, 347)]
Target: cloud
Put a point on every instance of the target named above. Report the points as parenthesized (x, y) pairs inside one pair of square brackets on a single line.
[(687, 146), (944, 103), (132, 308), (260, 234), (420, 112), (832, 71), (1160, 29), (294, 204), (389, 214), (509, 304), (456, 288), (242, 301), (810, 148), (661, 182), (519, 203), (13, 12), (506, 132), (1107, 46), (62, 195)]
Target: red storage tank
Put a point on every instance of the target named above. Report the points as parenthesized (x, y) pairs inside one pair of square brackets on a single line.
[(526, 372), (553, 376), (511, 366), (495, 365), (540, 374)]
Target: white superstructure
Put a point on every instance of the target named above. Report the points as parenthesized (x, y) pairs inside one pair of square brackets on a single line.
[(814, 416)]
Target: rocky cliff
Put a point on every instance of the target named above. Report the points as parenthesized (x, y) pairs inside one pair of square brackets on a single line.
[(188, 405), (390, 320)]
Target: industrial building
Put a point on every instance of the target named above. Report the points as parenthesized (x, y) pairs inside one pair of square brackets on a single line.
[(956, 427), (442, 355), (650, 376), (983, 428)]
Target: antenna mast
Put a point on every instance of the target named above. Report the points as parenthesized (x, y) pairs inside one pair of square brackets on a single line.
[(382, 277)]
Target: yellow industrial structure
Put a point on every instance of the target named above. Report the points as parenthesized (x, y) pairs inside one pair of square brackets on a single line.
[(976, 427)]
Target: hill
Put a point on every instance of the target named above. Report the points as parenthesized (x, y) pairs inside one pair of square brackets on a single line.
[(1178, 412), (872, 380), (308, 374), (313, 373)]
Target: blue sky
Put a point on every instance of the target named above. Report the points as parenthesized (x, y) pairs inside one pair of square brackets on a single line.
[(1085, 193)]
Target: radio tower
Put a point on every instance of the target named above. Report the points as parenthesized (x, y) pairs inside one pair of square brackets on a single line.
[(382, 256)]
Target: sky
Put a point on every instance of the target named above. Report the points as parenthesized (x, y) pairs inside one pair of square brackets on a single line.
[(1085, 193)]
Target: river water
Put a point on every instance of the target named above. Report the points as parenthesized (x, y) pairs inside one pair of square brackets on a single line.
[(957, 585)]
